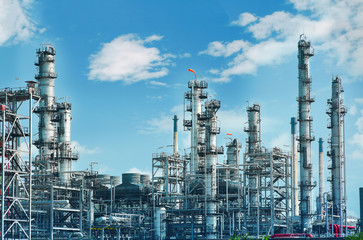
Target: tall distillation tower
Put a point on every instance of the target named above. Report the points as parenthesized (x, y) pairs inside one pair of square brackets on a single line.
[(66, 155), (45, 163), (305, 51), (294, 182), (195, 96), (212, 151), (254, 146), (320, 200), (336, 112)]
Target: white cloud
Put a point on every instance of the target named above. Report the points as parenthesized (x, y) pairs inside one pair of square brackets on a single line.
[(244, 19), (357, 139), (163, 124), (353, 110), (359, 123), (281, 141), (15, 23), (83, 149), (232, 121), (136, 170), (153, 38), (185, 55), (127, 58), (334, 27), (156, 83), (218, 49)]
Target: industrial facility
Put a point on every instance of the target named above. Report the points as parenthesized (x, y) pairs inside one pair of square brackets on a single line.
[(256, 191)]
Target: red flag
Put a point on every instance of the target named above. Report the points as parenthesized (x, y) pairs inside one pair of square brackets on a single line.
[(229, 134), (191, 70)]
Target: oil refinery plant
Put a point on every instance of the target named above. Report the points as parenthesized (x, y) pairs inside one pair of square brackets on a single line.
[(256, 191)]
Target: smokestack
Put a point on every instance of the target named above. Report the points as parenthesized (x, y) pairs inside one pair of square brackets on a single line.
[(295, 190), (175, 142), (321, 177)]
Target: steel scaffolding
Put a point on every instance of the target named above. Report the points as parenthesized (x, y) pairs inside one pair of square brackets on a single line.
[(17, 106)]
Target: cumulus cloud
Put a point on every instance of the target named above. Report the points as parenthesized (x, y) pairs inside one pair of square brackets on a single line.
[(244, 19), (357, 139), (129, 59), (163, 124), (136, 170), (336, 32), (15, 22), (232, 120), (218, 49), (157, 83), (84, 149), (281, 141)]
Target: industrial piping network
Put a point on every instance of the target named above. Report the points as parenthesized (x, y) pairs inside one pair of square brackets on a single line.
[(205, 200)]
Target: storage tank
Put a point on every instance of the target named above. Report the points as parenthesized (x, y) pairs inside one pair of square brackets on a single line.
[(115, 180), (130, 178), (104, 178), (145, 179)]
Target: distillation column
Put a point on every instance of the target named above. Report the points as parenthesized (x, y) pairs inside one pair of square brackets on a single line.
[(253, 130), (321, 179), (64, 142), (305, 138), (212, 151), (336, 111), (175, 135), (47, 134), (233, 149), (295, 189), (254, 146), (195, 96)]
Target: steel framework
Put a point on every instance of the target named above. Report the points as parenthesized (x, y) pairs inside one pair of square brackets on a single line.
[(17, 106)]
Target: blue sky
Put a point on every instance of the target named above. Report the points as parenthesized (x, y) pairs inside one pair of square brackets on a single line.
[(124, 66)]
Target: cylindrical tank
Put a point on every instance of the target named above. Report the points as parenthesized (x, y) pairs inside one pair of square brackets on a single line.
[(105, 178), (159, 224), (115, 180), (130, 178), (64, 141), (145, 179)]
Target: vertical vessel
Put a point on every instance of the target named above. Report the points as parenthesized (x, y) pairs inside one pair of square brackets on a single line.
[(305, 51)]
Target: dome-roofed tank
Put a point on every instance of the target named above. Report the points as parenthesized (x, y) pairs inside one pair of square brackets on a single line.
[(145, 179), (134, 185), (115, 180), (130, 178), (104, 178)]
